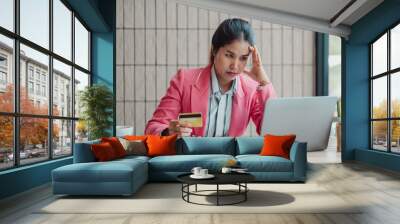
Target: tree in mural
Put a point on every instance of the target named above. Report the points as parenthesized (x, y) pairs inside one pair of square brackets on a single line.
[(33, 130), (380, 128), (6, 122), (395, 123)]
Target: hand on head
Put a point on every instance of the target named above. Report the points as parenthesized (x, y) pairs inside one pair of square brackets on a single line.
[(257, 71)]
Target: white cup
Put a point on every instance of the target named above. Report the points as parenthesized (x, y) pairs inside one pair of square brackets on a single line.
[(196, 170), (226, 170), (203, 172)]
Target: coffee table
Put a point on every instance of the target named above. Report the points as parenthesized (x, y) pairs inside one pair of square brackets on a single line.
[(238, 179)]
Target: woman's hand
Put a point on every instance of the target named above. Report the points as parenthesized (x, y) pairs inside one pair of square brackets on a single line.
[(257, 71), (179, 128)]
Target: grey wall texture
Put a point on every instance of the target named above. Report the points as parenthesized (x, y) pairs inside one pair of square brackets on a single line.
[(157, 37)]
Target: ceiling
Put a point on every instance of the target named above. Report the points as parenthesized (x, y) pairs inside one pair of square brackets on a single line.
[(316, 15), (320, 9)]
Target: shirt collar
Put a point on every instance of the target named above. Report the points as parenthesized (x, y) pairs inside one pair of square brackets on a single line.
[(215, 85)]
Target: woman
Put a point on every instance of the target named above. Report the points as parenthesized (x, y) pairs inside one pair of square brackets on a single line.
[(225, 93)]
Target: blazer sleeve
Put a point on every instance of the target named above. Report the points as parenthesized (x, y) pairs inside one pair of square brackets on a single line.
[(169, 107), (258, 101)]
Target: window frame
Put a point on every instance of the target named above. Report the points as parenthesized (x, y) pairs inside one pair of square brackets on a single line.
[(16, 114), (388, 74), (3, 77)]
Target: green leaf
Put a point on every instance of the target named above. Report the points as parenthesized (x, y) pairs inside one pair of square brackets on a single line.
[(96, 102)]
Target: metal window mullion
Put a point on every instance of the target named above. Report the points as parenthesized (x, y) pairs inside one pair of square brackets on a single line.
[(89, 59), (48, 52), (145, 55), (7, 33), (50, 81), (42, 49), (17, 41), (78, 67), (385, 119), (371, 133), (385, 73), (73, 82), (89, 52), (389, 101), (16, 84)]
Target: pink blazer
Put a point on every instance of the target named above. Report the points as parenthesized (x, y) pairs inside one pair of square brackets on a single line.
[(189, 92)]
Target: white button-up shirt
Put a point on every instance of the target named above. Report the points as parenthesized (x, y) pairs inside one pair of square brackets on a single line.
[(219, 107)]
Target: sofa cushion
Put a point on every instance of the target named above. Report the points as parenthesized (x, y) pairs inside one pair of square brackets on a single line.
[(249, 145), (206, 145), (185, 163), (112, 171), (103, 152), (135, 137), (134, 147), (277, 145), (83, 152), (133, 158), (116, 145), (257, 163), (161, 145)]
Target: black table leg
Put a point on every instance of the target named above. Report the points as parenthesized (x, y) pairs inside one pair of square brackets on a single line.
[(188, 189), (182, 190), (245, 193), (217, 194), (185, 188)]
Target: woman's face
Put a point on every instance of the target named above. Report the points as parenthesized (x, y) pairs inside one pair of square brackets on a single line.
[(231, 59)]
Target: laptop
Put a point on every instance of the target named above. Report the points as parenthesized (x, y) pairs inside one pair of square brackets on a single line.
[(310, 118)]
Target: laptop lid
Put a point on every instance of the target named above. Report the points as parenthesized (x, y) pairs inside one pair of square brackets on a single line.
[(310, 118)]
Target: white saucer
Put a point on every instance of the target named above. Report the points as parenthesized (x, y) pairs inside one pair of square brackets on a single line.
[(208, 176)]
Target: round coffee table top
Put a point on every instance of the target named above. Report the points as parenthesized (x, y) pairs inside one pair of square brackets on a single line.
[(220, 178)]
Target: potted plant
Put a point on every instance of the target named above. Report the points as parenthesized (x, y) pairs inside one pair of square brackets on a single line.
[(96, 102)]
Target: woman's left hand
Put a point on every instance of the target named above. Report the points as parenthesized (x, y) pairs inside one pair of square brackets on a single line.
[(257, 71)]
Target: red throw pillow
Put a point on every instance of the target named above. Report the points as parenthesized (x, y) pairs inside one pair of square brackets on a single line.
[(116, 145), (161, 145), (275, 145), (103, 151)]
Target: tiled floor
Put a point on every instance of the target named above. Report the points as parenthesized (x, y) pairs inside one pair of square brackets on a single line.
[(378, 190)]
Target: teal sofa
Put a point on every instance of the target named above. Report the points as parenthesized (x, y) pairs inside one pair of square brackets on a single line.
[(125, 176)]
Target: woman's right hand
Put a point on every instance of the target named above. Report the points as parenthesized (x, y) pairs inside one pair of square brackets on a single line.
[(180, 128)]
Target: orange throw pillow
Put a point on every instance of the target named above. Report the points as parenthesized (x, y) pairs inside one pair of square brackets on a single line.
[(103, 152), (134, 137), (275, 145), (161, 145), (116, 145)]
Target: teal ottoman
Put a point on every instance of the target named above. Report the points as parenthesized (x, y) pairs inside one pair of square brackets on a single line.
[(118, 177)]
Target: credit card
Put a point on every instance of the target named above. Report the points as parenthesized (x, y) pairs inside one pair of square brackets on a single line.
[(194, 119)]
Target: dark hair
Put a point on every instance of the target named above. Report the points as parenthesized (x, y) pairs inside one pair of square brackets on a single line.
[(228, 31)]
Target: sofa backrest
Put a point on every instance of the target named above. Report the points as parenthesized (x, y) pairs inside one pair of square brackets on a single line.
[(190, 146), (206, 145), (83, 153), (249, 145)]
